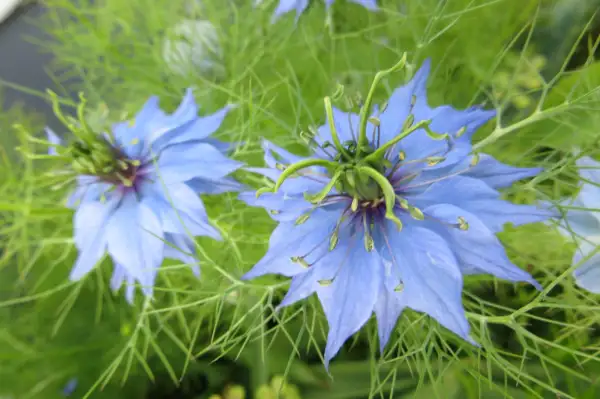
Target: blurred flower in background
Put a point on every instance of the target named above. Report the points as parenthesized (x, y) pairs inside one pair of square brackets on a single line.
[(518, 77), (192, 47)]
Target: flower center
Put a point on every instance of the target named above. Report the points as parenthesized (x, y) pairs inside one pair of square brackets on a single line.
[(100, 158)]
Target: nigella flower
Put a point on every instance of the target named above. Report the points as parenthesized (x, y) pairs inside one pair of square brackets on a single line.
[(193, 48), (136, 196), (387, 214), (299, 6), (70, 387), (583, 225)]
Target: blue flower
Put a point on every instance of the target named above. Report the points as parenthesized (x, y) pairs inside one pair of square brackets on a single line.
[(70, 387), (389, 219), (299, 6), (583, 225), (136, 196)]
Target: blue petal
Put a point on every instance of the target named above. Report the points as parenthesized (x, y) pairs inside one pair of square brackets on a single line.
[(286, 6), (388, 309), (200, 129), (368, 4), (54, 139), (496, 213), (281, 207), (289, 240), (477, 248), (476, 197), (587, 275), (182, 249), (183, 162), (399, 104), (324, 263), (180, 209), (431, 278), (214, 186), (456, 190), (89, 188), (579, 222), (498, 175), (90, 235), (589, 170), (445, 119), (135, 240), (349, 301)]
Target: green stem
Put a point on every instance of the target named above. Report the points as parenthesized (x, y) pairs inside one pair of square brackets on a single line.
[(363, 141), (535, 117), (334, 136), (290, 170), (381, 150), (317, 198)]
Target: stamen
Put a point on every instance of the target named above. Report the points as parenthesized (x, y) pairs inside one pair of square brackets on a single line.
[(428, 182), (462, 223), (354, 205), (301, 261), (400, 287), (369, 242), (416, 213), (302, 219)]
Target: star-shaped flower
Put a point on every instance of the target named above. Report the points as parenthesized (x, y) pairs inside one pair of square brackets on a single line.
[(136, 196), (389, 212), (583, 224)]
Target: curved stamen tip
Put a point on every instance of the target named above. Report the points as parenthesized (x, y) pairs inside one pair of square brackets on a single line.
[(387, 189), (264, 190)]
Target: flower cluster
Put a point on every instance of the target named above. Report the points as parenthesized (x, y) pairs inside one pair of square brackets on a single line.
[(137, 184), (391, 209), (389, 212)]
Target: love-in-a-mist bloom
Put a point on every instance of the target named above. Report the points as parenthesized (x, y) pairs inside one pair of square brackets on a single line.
[(299, 6), (582, 223), (192, 47), (389, 212), (136, 196)]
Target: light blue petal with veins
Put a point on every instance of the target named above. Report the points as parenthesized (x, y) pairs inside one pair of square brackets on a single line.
[(496, 174), (91, 235), (134, 237), (349, 301), (431, 278), (587, 276), (183, 162), (477, 248)]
